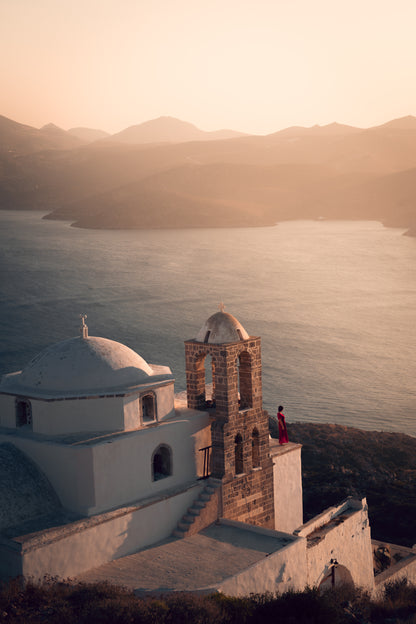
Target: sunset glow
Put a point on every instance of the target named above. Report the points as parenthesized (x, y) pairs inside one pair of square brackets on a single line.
[(252, 66)]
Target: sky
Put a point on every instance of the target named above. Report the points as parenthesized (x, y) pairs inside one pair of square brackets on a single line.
[(256, 66)]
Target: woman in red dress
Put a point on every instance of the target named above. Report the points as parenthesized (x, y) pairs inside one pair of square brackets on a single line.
[(283, 437)]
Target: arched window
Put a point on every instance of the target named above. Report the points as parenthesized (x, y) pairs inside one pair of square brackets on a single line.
[(255, 449), (148, 408), (244, 380), (23, 412), (239, 463), (161, 463)]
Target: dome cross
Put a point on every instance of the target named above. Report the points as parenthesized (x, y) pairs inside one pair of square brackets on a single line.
[(83, 330)]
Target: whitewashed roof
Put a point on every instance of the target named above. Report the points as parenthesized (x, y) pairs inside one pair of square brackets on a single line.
[(79, 366)]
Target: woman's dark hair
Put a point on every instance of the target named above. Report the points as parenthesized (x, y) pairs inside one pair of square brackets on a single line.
[(280, 408)]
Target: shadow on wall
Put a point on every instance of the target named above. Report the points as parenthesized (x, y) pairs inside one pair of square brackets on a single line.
[(335, 576), (25, 491)]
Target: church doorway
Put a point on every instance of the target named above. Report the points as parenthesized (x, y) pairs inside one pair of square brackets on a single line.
[(336, 575)]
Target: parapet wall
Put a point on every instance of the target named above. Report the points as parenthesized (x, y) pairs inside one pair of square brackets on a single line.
[(74, 548)]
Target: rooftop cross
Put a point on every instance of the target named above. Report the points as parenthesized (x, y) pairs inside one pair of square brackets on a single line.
[(83, 330), (222, 307)]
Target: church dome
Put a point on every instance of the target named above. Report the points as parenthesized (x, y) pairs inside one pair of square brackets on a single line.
[(84, 364), (221, 328)]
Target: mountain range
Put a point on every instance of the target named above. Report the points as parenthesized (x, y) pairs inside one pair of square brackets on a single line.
[(168, 173)]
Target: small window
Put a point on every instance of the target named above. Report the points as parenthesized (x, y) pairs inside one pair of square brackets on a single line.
[(23, 412), (255, 449), (239, 464), (161, 463), (148, 408), (207, 335)]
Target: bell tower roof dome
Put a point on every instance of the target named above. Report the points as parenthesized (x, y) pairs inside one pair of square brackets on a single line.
[(220, 328)]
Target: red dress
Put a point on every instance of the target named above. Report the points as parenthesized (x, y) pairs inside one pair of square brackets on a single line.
[(283, 437)]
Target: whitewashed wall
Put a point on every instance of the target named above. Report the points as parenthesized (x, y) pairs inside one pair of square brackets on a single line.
[(68, 468), (123, 464), (73, 416), (7, 411), (165, 398), (85, 545), (280, 571), (349, 543), (114, 470), (287, 474)]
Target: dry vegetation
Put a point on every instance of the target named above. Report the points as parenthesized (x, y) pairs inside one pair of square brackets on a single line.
[(66, 603)]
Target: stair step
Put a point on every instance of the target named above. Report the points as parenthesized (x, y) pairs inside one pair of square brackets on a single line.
[(177, 533), (199, 504), (183, 525), (204, 497), (189, 519), (194, 511), (215, 483)]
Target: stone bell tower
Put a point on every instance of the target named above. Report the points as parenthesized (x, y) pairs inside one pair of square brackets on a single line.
[(240, 428)]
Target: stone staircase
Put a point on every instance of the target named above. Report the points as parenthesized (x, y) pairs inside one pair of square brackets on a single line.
[(204, 510)]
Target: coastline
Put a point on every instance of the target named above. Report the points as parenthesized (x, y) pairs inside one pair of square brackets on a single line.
[(410, 230)]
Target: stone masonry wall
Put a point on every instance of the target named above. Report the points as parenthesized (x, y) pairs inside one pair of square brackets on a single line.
[(248, 495)]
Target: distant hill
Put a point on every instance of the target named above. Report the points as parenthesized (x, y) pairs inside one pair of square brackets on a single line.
[(60, 137), (188, 178), (88, 135), (169, 130), (333, 129), (402, 123), (208, 195), (18, 139), (211, 195)]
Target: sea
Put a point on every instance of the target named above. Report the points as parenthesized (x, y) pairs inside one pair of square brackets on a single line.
[(333, 301)]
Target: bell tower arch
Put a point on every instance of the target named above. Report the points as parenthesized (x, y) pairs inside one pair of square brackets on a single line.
[(237, 412)]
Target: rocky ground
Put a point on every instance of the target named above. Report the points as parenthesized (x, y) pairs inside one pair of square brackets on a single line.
[(341, 461)]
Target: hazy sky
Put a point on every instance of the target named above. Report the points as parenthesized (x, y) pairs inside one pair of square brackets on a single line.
[(250, 65)]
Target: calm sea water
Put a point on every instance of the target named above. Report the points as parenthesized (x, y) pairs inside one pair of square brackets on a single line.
[(334, 303)]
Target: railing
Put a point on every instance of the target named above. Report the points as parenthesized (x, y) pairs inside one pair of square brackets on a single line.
[(207, 461)]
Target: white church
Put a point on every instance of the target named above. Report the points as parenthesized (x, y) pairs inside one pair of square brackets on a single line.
[(106, 474)]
